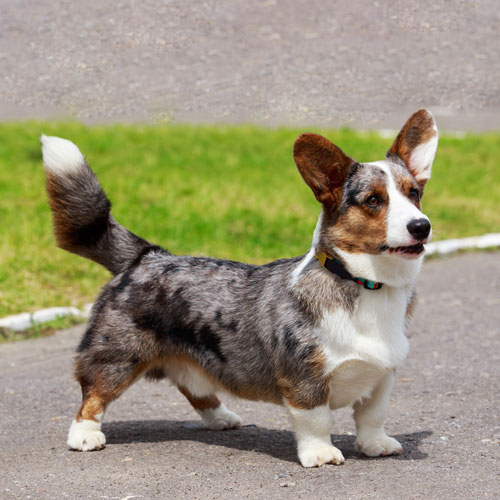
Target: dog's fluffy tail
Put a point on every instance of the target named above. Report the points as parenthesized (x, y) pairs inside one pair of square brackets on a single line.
[(82, 220)]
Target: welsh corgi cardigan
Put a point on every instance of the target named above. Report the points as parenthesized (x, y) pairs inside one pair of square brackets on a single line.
[(314, 333)]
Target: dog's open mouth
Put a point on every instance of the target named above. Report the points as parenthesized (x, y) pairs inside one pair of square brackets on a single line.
[(410, 251)]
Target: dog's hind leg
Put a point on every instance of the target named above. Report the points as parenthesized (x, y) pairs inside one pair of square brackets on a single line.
[(101, 383), (85, 431), (214, 414), (199, 390)]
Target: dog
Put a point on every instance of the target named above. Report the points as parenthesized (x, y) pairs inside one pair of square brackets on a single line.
[(314, 333)]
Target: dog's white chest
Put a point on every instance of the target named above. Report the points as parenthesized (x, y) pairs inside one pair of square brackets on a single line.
[(353, 380), (363, 344)]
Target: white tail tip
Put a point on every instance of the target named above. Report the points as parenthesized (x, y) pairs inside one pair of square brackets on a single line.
[(60, 155)]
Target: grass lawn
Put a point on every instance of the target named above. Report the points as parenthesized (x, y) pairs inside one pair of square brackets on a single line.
[(230, 192)]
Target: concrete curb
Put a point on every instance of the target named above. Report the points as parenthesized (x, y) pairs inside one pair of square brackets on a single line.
[(446, 247), (23, 321)]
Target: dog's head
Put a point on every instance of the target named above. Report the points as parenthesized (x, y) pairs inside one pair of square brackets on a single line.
[(372, 208)]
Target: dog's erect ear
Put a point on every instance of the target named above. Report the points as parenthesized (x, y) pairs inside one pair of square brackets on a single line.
[(323, 166), (416, 145)]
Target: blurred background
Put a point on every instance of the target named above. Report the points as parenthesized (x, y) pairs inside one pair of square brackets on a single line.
[(328, 63), (188, 112)]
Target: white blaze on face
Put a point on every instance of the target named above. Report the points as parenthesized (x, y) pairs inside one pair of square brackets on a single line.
[(401, 212)]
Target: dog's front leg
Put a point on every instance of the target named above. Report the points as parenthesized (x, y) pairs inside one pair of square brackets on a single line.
[(369, 415), (312, 431)]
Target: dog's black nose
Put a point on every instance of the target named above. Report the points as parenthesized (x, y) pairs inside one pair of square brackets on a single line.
[(419, 228)]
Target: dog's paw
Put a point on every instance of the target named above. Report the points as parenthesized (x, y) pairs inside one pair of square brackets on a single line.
[(86, 435), (220, 418), (379, 446), (316, 456)]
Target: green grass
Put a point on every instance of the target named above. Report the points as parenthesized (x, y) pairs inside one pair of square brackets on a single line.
[(231, 192)]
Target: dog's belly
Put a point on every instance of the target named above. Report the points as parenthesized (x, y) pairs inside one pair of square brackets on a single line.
[(189, 374), (352, 380)]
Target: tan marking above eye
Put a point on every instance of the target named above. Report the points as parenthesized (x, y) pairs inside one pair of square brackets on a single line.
[(406, 184)]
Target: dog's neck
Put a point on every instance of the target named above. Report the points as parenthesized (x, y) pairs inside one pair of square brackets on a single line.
[(387, 269)]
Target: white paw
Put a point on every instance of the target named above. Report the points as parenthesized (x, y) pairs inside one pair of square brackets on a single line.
[(86, 435), (311, 456), (378, 446), (220, 418)]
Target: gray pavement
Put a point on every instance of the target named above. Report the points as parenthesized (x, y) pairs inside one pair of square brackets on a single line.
[(444, 410), (362, 64)]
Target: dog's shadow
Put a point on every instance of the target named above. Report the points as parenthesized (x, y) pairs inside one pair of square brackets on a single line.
[(276, 443)]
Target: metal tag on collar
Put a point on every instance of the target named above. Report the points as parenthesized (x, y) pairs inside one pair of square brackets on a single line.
[(368, 284)]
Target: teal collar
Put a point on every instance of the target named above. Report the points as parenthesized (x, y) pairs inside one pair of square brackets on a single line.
[(335, 266)]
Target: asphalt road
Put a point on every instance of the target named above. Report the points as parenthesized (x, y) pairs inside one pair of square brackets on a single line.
[(363, 64), (444, 410)]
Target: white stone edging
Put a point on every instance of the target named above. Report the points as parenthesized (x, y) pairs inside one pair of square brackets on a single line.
[(446, 247), (23, 321)]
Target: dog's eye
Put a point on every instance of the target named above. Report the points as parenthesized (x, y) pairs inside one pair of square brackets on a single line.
[(414, 194), (372, 201)]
